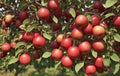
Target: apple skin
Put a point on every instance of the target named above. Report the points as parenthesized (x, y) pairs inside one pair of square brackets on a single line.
[(57, 54), (87, 30), (59, 38), (99, 45), (66, 61), (24, 58), (95, 20), (98, 31), (77, 33), (116, 21), (73, 52), (85, 47), (43, 13), (66, 43), (54, 4), (6, 47), (90, 69), (81, 20)]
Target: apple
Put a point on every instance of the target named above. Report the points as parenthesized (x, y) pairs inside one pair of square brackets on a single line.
[(84, 47), (43, 13), (39, 41), (67, 14), (5, 47), (90, 69), (8, 18), (57, 54), (58, 13), (98, 31), (24, 58), (99, 45), (104, 24), (77, 33), (59, 38), (4, 31), (28, 36), (53, 4), (100, 70), (66, 61), (73, 25), (23, 15), (55, 44), (4, 24), (116, 46), (95, 20), (116, 21), (73, 52), (99, 62), (2, 54), (18, 22), (87, 30), (81, 20), (56, 26), (36, 55), (13, 44), (66, 43), (49, 20)]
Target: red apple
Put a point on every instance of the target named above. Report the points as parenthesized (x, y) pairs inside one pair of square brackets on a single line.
[(85, 47), (67, 61), (98, 45), (18, 22), (56, 26), (13, 44), (57, 54), (95, 20), (90, 70), (2, 54), (36, 55), (28, 36), (88, 29), (23, 15), (55, 44), (66, 43), (77, 33), (5, 47), (58, 13), (116, 21), (99, 62), (25, 58), (73, 52), (81, 20), (54, 4)]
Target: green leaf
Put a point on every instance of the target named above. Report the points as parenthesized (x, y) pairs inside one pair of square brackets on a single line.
[(108, 15), (47, 36), (12, 60), (94, 53), (89, 18), (43, 3), (46, 55), (117, 37), (33, 8), (56, 65), (55, 19), (72, 12), (110, 3), (18, 52), (26, 21), (79, 66), (29, 46), (115, 57), (31, 27), (106, 62), (19, 44), (22, 27), (117, 68)]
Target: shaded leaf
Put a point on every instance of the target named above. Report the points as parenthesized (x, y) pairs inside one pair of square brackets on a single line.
[(56, 65), (19, 44), (46, 55), (26, 21), (115, 57), (79, 66)]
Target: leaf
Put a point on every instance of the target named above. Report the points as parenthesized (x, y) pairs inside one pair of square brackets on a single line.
[(106, 62), (72, 12), (47, 36), (46, 55), (19, 44), (43, 3), (12, 60), (117, 67), (26, 21), (89, 18), (33, 8), (79, 66), (55, 19), (108, 15), (94, 53), (56, 65), (29, 46), (115, 57), (31, 27), (18, 52), (22, 27), (117, 37), (110, 3)]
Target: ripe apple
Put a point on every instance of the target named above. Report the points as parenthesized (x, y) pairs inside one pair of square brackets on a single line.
[(53, 4), (4, 24), (116, 21), (8, 18), (98, 45), (73, 52), (77, 33), (25, 58), (36, 55), (43, 13), (59, 38), (85, 47), (55, 44), (5, 47), (67, 61), (2, 54), (66, 43), (58, 13), (28, 36), (67, 14), (23, 15), (99, 62), (18, 22), (95, 20), (13, 44), (36, 34), (90, 69), (81, 20), (56, 26), (39, 41), (104, 24), (49, 20), (57, 54), (98, 31), (87, 30)]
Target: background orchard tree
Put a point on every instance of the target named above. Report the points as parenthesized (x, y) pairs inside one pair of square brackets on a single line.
[(71, 37)]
